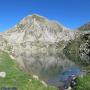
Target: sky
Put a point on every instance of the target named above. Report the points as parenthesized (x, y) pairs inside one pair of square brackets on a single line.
[(70, 13)]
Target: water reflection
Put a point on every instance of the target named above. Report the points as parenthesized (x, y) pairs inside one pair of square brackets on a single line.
[(46, 65), (66, 76)]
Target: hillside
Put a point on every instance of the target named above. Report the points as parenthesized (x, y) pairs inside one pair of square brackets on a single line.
[(16, 78)]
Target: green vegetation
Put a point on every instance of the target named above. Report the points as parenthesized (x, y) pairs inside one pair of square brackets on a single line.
[(83, 83), (72, 51), (16, 77)]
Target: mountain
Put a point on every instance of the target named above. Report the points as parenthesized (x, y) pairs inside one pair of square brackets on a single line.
[(37, 28), (85, 27), (45, 47), (37, 44)]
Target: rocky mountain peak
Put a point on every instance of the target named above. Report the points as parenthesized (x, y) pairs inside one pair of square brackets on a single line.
[(38, 28), (32, 18), (41, 21), (38, 22)]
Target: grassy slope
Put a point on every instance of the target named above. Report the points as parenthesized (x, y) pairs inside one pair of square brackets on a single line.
[(83, 83), (16, 77)]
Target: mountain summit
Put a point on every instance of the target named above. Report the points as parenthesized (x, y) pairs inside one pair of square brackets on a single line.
[(38, 28)]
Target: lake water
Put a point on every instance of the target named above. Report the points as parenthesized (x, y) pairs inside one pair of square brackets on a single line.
[(63, 77), (52, 67)]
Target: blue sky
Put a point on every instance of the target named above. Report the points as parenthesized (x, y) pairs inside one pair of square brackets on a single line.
[(71, 13)]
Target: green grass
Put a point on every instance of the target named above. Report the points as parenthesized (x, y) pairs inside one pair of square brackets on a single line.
[(15, 77), (83, 83)]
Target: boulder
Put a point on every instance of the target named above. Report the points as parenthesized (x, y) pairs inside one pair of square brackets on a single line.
[(2, 74)]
